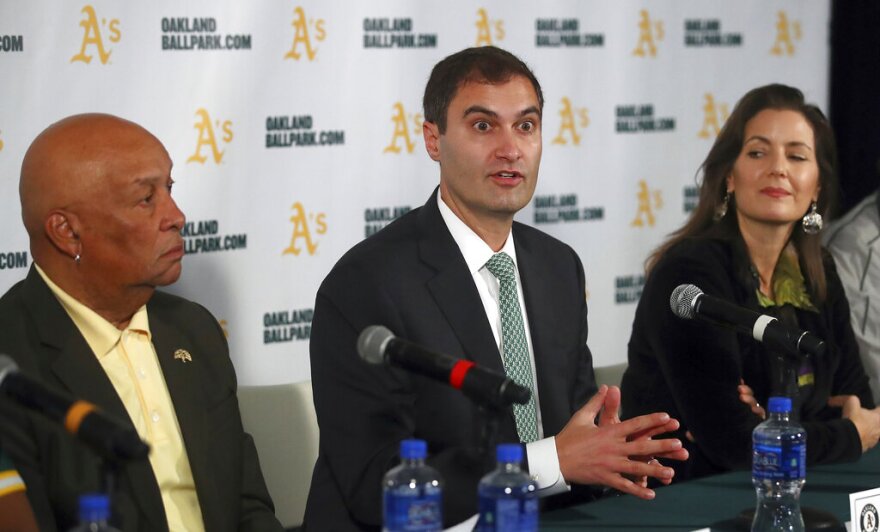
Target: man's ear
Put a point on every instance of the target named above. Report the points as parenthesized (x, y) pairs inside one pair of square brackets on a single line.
[(62, 229), (431, 132)]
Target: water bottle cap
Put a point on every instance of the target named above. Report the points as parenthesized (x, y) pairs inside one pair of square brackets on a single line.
[(413, 449), (94, 505), (509, 452), (779, 404)]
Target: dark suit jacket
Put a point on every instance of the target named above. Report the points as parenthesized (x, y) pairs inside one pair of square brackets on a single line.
[(412, 278), (691, 369), (37, 332)]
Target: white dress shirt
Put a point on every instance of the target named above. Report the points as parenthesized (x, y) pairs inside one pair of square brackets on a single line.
[(543, 460)]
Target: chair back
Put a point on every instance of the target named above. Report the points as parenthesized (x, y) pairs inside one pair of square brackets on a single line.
[(610, 375), (281, 419)]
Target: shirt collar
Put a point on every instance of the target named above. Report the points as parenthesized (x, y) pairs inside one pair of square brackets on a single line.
[(101, 335), (475, 250)]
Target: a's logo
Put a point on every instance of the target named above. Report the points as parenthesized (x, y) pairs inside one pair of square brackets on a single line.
[(307, 31), (224, 327), (488, 31), (714, 115), (208, 137), (650, 31), (868, 518), (649, 200), (92, 36), (573, 119), (183, 356), (303, 226), (787, 31), (402, 120)]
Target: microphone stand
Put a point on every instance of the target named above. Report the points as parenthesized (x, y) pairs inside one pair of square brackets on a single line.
[(783, 373), (111, 470), (489, 415)]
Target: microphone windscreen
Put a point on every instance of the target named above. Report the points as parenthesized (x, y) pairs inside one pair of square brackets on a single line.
[(682, 300), (371, 343)]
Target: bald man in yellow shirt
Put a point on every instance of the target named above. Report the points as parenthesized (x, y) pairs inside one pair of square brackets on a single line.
[(104, 233)]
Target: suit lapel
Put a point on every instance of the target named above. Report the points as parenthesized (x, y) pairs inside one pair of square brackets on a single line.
[(77, 369), (541, 325), (453, 289), (185, 389)]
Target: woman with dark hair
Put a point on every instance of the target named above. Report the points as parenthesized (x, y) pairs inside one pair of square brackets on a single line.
[(767, 183)]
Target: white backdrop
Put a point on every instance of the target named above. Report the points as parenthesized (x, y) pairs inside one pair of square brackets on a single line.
[(295, 128)]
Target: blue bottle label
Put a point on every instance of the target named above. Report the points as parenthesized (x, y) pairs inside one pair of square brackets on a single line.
[(774, 462), (508, 514), (413, 512)]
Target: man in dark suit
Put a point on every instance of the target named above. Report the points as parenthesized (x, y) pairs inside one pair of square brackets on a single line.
[(433, 277), (104, 233)]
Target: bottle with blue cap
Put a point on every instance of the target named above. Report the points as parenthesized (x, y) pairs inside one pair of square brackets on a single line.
[(94, 513), (412, 492), (508, 496), (779, 467)]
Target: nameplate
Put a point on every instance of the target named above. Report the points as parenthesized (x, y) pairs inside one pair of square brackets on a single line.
[(864, 511)]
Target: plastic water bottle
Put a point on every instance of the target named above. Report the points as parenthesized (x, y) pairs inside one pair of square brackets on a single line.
[(94, 512), (508, 496), (412, 492), (779, 464)]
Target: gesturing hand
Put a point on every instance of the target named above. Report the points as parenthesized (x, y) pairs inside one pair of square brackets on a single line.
[(612, 451)]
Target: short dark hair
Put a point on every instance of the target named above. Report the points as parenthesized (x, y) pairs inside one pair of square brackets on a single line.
[(719, 164), (484, 64)]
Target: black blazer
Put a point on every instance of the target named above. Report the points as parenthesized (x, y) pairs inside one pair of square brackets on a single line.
[(37, 332), (691, 369), (412, 278)]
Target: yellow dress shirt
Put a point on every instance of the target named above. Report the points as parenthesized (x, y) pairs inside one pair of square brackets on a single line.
[(129, 359)]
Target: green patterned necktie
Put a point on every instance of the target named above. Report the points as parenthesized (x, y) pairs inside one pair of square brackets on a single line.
[(514, 348)]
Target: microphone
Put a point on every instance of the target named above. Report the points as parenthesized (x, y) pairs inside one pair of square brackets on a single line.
[(106, 436), (689, 302), (377, 345)]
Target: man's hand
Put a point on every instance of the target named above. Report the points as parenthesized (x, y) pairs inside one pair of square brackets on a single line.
[(603, 454), (867, 422), (610, 415)]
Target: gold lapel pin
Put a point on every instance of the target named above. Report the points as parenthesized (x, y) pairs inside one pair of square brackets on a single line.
[(183, 355)]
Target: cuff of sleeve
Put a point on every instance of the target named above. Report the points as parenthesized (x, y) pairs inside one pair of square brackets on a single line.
[(10, 482), (544, 467)]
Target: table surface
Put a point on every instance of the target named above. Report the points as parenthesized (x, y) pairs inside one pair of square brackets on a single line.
[(712, 500)]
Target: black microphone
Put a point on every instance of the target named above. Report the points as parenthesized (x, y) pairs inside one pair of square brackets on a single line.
[(688, 302), (377, 345), (108, 437)]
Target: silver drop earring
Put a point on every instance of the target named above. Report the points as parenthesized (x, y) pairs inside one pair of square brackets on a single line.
[(812, 221), (721, 208)]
